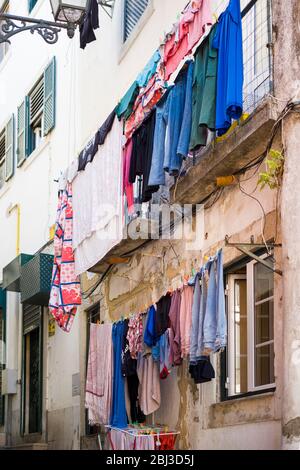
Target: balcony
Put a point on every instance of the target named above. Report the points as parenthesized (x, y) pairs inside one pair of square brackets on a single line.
[(36, 280), (243, 143), (12, 273)]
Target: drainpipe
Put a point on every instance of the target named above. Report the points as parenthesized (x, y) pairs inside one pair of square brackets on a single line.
[(9, 211)]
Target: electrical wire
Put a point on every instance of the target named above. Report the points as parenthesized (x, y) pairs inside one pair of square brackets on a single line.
[(255, 163)]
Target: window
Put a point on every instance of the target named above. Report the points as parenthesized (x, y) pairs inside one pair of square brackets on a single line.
[(250, 355), (133, 11), (5, 45), (31, 4), (257, 36), (7, 152), (31, 409), (36, 114)]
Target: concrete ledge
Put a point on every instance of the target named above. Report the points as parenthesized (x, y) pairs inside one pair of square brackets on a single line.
[(125, 246), (244, 410), (245, 143)]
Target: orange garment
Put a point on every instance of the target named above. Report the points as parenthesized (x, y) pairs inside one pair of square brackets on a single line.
[(186, 319)]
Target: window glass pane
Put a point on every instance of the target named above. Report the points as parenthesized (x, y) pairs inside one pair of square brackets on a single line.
[(263, 282), (240, 327), (264, 365), (264, 322)]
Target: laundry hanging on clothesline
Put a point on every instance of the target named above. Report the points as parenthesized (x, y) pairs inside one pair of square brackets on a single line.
[(65, 295), (160, 123), (188, 323), (141, 438)]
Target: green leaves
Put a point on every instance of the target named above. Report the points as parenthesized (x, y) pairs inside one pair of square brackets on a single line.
[(272, 177)]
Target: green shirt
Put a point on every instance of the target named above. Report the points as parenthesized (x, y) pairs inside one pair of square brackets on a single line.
[(125, 106), (204, 91)]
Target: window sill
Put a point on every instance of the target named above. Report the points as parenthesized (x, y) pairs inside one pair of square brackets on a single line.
[(136, 31), (251, 409), (30, 159)]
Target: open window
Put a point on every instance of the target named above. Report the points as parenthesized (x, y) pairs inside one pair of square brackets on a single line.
[(250, 352)]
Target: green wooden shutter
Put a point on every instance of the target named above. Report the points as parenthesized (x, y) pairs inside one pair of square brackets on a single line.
[(31, 4), (23, 131), (9, 148), (49, 97)]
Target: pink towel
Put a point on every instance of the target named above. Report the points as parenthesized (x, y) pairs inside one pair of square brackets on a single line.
[(99, 374)]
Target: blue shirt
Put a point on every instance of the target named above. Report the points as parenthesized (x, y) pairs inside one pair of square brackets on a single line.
[(150, 336), (228, 40), (149, 70)]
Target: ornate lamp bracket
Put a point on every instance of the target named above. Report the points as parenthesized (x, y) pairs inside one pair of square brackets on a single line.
[(10, 25)]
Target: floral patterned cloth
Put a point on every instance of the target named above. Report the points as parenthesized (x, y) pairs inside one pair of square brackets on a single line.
[(65, 293), (135, 335)]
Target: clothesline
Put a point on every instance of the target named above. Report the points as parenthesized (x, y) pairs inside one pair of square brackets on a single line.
[(190, 281), (131, 432)]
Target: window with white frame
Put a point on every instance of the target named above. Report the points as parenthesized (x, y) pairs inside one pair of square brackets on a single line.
[(250, 353), (4, 46), (133, 11)]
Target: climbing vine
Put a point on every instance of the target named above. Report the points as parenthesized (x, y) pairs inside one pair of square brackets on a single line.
[(272, 176)]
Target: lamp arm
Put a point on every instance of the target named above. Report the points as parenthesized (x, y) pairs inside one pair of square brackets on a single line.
[(11, 25)]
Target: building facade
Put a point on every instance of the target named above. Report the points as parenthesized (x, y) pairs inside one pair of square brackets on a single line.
[(53, 99)]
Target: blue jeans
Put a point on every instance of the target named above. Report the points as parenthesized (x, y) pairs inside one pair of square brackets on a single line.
[(157, 172), (179, 121), (209, 324), (215, 324)]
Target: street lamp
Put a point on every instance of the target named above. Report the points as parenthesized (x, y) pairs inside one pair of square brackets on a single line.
[(67, 15), (69, 12)]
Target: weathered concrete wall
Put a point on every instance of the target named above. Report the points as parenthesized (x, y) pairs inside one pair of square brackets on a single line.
[(196, 411), (287, 87)]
